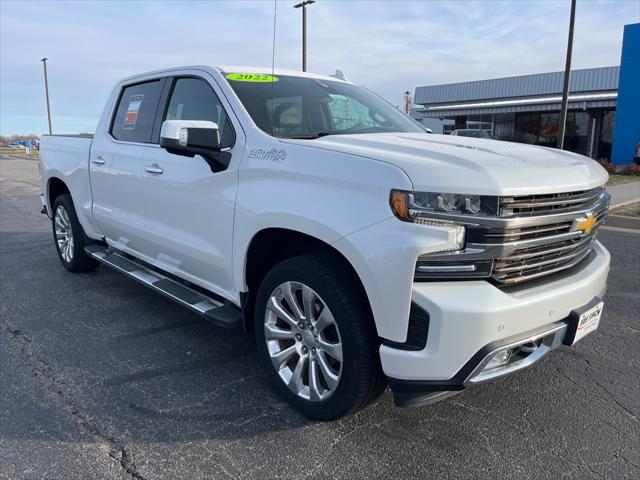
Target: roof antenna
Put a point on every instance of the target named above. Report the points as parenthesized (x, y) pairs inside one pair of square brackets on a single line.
[(339, 75), (273, 68)]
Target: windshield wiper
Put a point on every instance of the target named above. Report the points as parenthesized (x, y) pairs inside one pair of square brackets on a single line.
[(310, 136)]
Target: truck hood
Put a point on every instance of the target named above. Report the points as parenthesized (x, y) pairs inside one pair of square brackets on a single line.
[(452, 164)]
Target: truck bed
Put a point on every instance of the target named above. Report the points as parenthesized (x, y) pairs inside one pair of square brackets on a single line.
[(66, 157)]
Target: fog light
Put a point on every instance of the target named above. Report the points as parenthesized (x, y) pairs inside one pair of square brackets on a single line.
[(498, 359)]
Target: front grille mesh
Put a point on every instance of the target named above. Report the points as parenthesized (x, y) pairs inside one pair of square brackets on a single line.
[(528, 205), (528, 264), (555, 255), (533, 236), (526, 233)]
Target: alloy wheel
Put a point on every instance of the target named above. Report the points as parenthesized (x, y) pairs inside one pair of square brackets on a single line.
[(303, 341), (64, 234)]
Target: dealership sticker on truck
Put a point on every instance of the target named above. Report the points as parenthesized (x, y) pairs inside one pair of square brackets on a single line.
[(251, 77), (131, 117), (588, 321)]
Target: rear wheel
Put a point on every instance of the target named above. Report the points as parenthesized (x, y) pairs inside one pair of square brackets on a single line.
[(316, 337), (69, 238)]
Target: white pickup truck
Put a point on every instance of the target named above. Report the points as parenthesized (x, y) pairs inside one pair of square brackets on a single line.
[(361, 251)]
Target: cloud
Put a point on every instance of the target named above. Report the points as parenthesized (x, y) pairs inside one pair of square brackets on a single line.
[(389, 46)]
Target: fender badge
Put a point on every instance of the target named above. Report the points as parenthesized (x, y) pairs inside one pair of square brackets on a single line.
[(275, 154)]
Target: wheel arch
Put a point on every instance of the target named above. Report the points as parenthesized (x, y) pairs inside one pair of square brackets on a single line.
[(55, 188), (272, 245)]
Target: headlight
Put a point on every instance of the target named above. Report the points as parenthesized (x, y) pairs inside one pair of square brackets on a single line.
[(450, 212), (410, 206), (403, 206)]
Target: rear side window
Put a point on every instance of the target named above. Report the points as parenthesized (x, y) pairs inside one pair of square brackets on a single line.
[(136, 112), (194, 99)]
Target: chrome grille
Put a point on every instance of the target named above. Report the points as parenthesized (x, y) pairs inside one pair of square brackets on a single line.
[(526, 233), (528, 205), (528, 264), (542, 255), (534, 236)]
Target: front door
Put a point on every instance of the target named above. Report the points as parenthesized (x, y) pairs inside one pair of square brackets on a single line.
[(188, 208)]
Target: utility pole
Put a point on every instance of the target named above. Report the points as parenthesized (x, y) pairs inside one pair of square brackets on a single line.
[(567, 77), (46, 91), (408, 102), (303, 5)]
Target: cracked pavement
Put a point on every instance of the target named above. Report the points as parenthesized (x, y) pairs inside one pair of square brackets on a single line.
[(101, 378)]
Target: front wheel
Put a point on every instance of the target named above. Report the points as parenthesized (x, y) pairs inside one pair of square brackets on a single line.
[(68, 236), (316, 337)]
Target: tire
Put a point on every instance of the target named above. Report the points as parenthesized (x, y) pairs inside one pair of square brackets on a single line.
[(351, 337), (69, 238)]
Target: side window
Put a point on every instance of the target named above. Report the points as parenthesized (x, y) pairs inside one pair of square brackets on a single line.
[(194, 99), (136, 112)]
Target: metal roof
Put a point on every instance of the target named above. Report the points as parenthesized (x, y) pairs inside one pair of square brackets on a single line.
[(535, 107), (530, 104), (587, 80)]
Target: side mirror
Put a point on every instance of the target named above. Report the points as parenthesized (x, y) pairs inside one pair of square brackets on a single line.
[(194, 137)]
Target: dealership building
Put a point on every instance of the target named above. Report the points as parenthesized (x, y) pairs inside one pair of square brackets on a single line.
[(604, 107)]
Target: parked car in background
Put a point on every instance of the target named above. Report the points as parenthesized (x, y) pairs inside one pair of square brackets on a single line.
[(636, 156), (472, 132), (360, 250)]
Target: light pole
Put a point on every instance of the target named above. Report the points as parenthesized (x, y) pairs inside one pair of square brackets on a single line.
[(567, 77), (46, 91), (303, 5)]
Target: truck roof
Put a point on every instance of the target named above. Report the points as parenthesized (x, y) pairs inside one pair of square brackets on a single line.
[(276, 71), (237, 69)]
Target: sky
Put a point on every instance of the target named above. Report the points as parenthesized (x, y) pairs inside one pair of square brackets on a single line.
[(387, 45)]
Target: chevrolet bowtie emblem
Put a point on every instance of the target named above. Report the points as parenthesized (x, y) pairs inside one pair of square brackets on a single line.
[(585, 224)]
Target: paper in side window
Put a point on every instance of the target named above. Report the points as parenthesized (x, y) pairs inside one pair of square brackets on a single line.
[(131, 117)]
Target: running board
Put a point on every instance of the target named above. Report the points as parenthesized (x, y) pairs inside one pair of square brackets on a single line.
[(220, 313)]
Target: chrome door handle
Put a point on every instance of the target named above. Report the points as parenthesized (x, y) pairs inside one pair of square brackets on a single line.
[(98, 160), (153, 169)]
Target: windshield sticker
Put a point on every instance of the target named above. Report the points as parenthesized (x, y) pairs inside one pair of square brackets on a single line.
[(274, 155), (251, 77), (131, 116)]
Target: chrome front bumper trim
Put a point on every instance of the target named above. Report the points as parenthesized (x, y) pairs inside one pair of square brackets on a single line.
[(545, 342)]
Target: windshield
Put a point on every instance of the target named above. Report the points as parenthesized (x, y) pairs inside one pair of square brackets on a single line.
[(297, 107)]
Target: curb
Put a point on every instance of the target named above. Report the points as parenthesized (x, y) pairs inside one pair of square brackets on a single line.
[(622, 221), (622, 204), (15, 157)]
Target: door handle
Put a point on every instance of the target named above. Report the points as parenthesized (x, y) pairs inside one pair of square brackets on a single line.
[(153, 169), (98, 160)]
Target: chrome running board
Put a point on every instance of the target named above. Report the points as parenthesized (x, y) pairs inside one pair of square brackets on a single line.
[(216, 311)]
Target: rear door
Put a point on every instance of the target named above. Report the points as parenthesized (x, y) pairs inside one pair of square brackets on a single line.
[(188, 208), (116, 165)]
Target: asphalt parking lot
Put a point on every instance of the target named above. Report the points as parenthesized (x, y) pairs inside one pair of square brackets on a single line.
[(101, 378)]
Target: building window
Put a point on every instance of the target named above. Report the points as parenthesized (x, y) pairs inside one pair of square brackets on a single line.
[(542, 129), (576, 137), (606, 135)]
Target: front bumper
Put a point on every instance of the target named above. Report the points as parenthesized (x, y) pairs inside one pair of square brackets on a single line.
[(469, 318)]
